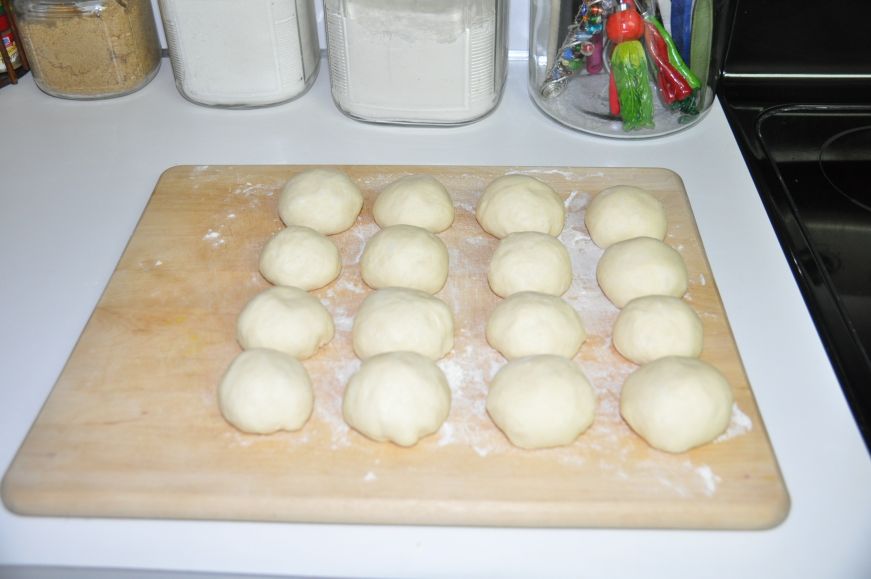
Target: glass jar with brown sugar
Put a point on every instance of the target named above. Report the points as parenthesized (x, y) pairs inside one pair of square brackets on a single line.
[(89, 49)]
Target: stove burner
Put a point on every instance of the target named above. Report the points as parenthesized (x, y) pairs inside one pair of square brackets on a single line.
[(811, 164), (845, 161)]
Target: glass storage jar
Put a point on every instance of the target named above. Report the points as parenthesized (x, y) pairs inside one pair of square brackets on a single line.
[(626, 68), (89, 49), (227, 53), (428, 62)]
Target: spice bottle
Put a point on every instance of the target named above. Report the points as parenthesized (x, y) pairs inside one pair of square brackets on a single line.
[(89, 49), (625, 68), (417, 62), (8, 41), (227, 53)]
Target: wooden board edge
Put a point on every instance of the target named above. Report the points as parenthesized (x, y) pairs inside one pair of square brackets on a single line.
[(4, 484), (672, 515), (10, 494)]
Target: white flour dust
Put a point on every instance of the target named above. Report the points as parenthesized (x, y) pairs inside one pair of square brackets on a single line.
[(740, 424), (254, 194), (251, 189), (477, 240), (466, 205), (571, 176), (354, 249), (328, 402), (215, 238), (345, 285), (673, 472), (236, 438), (149, 264), (468, 370), (710, 479)]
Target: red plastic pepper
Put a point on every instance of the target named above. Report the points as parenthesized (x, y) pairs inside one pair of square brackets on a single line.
[(613, 98), (672, 85)]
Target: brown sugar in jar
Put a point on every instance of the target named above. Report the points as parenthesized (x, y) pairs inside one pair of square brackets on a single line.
[(89, 49)]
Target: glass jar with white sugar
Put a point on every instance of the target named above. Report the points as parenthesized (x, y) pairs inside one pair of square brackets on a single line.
[(423, 62), (227, 53)]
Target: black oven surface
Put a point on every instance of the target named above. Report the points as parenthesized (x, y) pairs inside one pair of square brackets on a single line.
[(825, 210), (803, 123)]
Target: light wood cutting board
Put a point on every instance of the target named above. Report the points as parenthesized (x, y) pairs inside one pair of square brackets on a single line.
[(132, 428)]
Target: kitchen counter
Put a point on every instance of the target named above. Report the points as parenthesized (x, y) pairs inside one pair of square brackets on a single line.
[(76, 176)]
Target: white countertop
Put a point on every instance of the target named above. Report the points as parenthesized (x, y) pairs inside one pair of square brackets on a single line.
[(75, 177)]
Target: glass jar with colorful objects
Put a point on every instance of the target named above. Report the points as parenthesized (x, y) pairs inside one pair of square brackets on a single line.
[(626, 68)]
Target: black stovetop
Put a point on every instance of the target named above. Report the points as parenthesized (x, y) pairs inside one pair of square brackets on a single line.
[(803, 122)]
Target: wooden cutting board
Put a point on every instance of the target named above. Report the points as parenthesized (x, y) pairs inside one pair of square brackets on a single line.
[(132, 427)]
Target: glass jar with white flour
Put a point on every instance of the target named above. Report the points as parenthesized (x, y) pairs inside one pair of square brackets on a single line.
[(227, 53), (429, 62)]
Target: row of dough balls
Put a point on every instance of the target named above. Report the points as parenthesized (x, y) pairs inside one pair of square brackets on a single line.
[(540, 398), (266, 388), (399, 394), (674, 401)]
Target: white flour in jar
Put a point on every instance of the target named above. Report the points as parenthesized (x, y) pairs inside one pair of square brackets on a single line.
[(237, 54), (407, 61)]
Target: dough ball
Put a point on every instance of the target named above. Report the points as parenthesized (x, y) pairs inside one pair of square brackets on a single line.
[(520, 203), (300, 257), (530, 261), (541, 401), (530, 323), (394, 319), (642, 266), (398, 397), (265, 391), (405, 256), (324, 199), (623, 212), (677, 403), (418, 200), (286, 319), (652, 327)]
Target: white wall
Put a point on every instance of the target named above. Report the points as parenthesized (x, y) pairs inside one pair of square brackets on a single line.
[(518, 24)]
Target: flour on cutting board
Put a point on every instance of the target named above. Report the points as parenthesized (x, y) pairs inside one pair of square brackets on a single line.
[(149, 264), (328, 403), (740, 424), (248, 189), (215, 238), (710, 479), (353, 251), (468, 373)]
